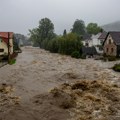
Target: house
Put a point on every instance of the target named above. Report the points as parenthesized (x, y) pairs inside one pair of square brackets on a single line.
[(89, 51), (95, 39), (86, 40), (4, 42), (111, 45), (97, 43), (102, 37)]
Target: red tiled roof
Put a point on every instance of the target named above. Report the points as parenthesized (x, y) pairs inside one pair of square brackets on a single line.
[(4, 36)]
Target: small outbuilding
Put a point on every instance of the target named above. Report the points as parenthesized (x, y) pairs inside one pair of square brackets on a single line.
[(89, 51)]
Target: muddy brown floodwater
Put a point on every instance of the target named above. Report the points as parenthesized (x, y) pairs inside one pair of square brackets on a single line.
[(33, 76)]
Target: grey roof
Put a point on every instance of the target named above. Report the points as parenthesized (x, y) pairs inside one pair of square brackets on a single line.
[(116, 37), (89, 50), (86, 36), (103, 35)]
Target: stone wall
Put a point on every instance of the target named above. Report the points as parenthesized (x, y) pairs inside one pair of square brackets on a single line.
[(109, 47)]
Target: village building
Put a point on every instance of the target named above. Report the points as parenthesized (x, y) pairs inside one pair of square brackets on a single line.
[(111, 45), (97, 43), (87, 41), (94, 41), (102, 37), (5, 42)]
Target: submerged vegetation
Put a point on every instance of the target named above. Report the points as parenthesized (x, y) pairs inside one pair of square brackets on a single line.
[(12, 61), (116, 67)]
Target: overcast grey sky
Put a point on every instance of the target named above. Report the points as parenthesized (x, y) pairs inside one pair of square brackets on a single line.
[(20, 15)]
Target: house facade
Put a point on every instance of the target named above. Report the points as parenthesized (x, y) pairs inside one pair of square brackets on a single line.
[(111, 44), (87, 41), (94, 41), (97, 43), (4, 42)]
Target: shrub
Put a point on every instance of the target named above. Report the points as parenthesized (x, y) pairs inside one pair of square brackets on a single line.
[(65, 44), (53, 45), (75, 54), (12, 61), (83, 56), (111, 58), (116, 67)]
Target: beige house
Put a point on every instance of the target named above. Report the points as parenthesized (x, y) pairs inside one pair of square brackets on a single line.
[(111, 44), (5, 42)]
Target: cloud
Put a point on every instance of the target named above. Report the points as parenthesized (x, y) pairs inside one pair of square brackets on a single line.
[(21, 15)]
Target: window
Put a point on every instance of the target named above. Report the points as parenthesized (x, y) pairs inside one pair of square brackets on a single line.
[(1, 50), (112, 50), (101, 42), (0, 40), (109, 41), (107, 49), (86, 44)]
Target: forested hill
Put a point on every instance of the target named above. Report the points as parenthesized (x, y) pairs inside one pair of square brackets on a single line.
[(115, 26)]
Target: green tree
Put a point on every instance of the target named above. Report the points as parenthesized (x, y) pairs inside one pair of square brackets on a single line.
[(45, 31), (53, 45), (65, 33), (65, 45), (15, 44), (93, 28), (35, 37), (69, 44), (78, 27)]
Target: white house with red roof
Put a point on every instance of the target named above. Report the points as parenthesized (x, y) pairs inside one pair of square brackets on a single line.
[(5, 42)]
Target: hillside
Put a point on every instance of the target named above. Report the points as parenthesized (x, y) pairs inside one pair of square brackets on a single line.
[(115, 26)]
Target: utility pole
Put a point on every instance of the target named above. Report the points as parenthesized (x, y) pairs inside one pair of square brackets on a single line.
[(8, 47)]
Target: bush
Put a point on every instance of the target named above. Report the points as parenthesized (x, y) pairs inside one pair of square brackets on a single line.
[(112, 58), (83, 56), (116, 67), (108, 58), (70, 43), (12, 61), (53, 45), (75, 54)]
